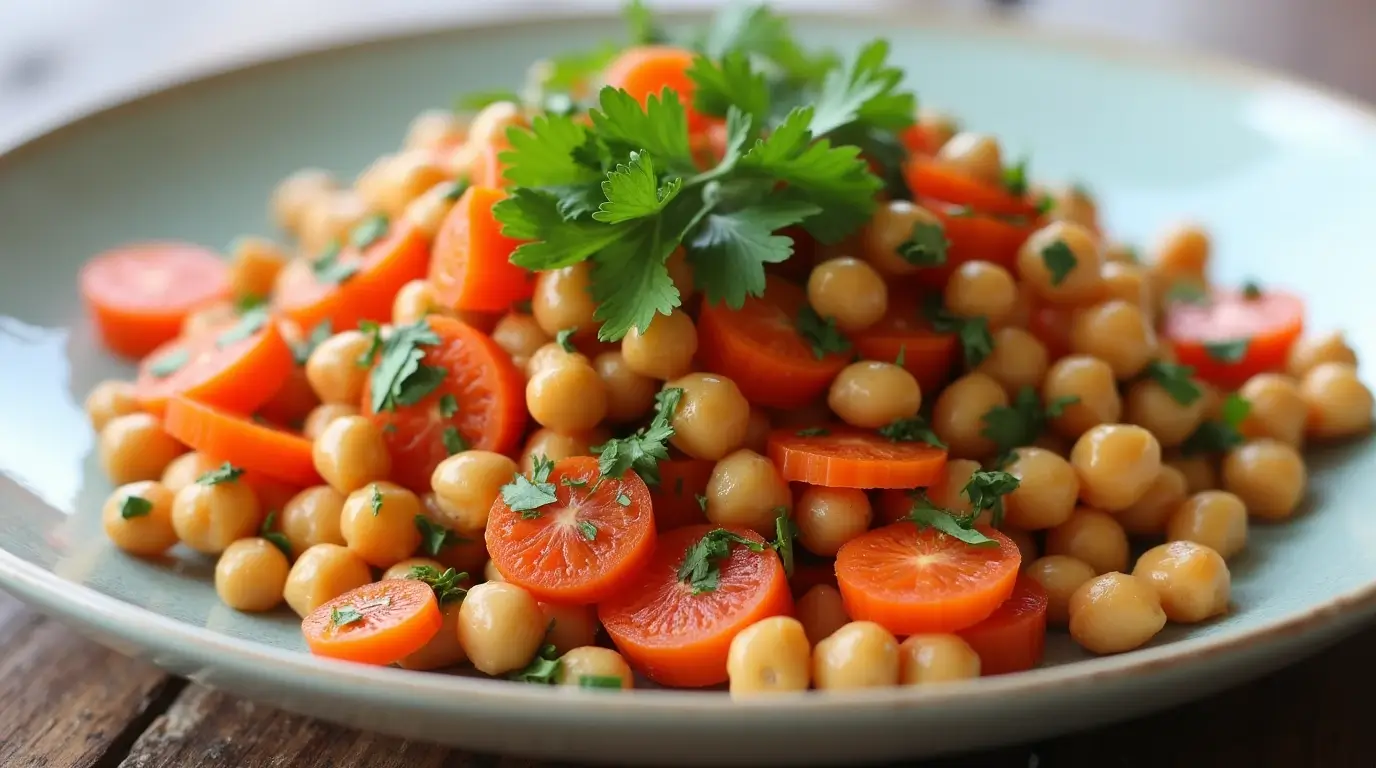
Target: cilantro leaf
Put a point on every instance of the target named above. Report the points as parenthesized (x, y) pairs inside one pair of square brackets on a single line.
[(248, 324), (168, 364), (785, 531), (962, 527), (453, 440), (545, 154), (630, 281), (633, 191), (533, 215), (447, 585), (643, 450), (1176, 380), (986, 490), (976, 342), (301, 350), (564, 339), (1021, 422), (375, 500), (866, 92), (1227, 351), (225, 473), (730, 249), (926, 246), (911, 430), (448, 406), (730, 83), (434, 537), (399, 378), (701, 566), (542, 670), (1217, 436), (701, 500), (587, 530), (527, 495), (754, 29), (268, 531), (373, 331), (660, 127), (821, 335), (1056, 407), (134, 506), (1059, 260)]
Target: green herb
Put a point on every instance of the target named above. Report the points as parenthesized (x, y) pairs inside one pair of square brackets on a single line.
[(542, 670), (976, 342), (702, 501), (902, 356), (169, 363), (588, 530), (701, 566), (455, 189), (344, 616), (528, 495), (1056, 407), (962, 527), (1060, 261), (477, 100), (821, 335), (564, 339), (1015, 178), (268, 530), (926, 246), (1187, 292), (813, 432), (1251, 290), (1045, 204), (913, 429), (225, 473), (435, 537), (399, 378), (329, 270), (573, 482), (447, 585), (1227, 351), (376, 500), (249, 302), (523, 306), (454, 442), (301, 350), (134, 506), (754, 30), (641, 27), (642, 450), (1177, 380), (369, 231), (785, 531), (1021, 422), (373, 331), (1217, 436), (986, 490), (448, 406), (623, 499), (599, 681), (249, 323)]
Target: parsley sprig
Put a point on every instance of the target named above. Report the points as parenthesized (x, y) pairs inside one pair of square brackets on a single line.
[(976, 341), (1222, 434), (985, 490), (134, 506), (701, 566), (642, 450), (434, 537), (542, 670), (1021, 422), (399, 378), (528, 495), (448, 585), (1177, 380), (225, 473), (913, 429)]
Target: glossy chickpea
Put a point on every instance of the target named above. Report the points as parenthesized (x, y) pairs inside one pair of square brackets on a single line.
[(427, 212), (976, 155), (1130, 283), (322, 573), (821, 612), (871, 394), (1116, 464), (1060, 576), (1311, 351), (520, 335), (892, 224), (567, 394), (350, 453), (665, 350), (433, 129), (251, 575), (958, 416), (1337, 402), (491, 573), (108, 400), (1268, 475), (1201, 472), (208, 517), (1153, 407), (861, 654), (563, 299), (746, 490), (1278, 410), (1062, 264), (949, 491), (487, 126), (1092, 537), (1091, 382), (1047, 490), (467, 483), (550, 353), (135, 447), (501, 627), (378, 523), (829, 517), (1074, 204), (757, 431), (414, 301), (138, 518), (322, 415), (186, 469), (1116, 332), (925, 659), (1148, 515), (981, 289), (681, 272), (570, 626), (596, 663), (712, 417), (1182, 251), (331, 218), (333, 369), (849, 290), (1114, 613), (254, 263), (312, 517), (557, 446), (1191, 580), (297, 194), (393, 181), (402, 568), (1019, 359), (770, 656), (1216, 519), (444, 649)]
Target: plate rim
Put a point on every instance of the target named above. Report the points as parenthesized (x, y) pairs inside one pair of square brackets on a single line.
[(156, 634)]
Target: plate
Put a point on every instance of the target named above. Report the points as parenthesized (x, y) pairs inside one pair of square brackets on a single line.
[(1282, 173)]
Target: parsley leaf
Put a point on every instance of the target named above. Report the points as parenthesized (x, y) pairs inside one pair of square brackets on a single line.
[(630, 281), (341, 617), (587, 529), (434, 537), (545, 154), (533, 215), (1227, 351), (329, 270), (375, 500), (448, 406), (369, 231), (134, 506), (1015, 178), (633, 191), (986, 490), (453, 440), (1021, 422), (821, 335), (754, 29), (1251, 290), (301, 350), (962, 527), (564, 339), (913, 429), (225, 473), (373, 331), (399, 378), (701, 566), (1217, 436), (640, 24), (731, 248), (1177, 380), (660, 127), (813, 432), (248, 324), (527, 495), (867, 92), (731, 82), (976, 342), (600, 681), (926, 246), (542, 670), (1187, 292), (701, 500), (643, 450), (447, 585), (623, 499), (275, 537), (1059, 260), (169, 363), (785, 531)]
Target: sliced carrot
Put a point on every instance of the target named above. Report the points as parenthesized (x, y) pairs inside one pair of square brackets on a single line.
[(975, 236), (581, 548), (758, 346), (379, 623), (292, 402), (487, 169), (1231, 337), (1013, 637), (920, 139), (914, 580), (309, 294), (681, 482), (677, 638), (482, 393), (471, 265), (139, 294), (905, 333), (242, 442), (237, 366), (647, 70), (931, 178), (845, 457)]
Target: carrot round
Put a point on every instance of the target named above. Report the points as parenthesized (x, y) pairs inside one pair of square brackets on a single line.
[(1013, 638), (379, 623), (1231, 336), (273, 452), (904, 333), (975, 236), (914, 580), (236, 366), (487, 170), (354, 284), (920, 139), (931, 178), (139, 294), (758, 346), (647, 70), (581, 548), (849, 458), (675, 637), (681, 482), (479, 403), (471, 266)]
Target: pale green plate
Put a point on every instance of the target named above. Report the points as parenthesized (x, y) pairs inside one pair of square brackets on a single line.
[(1284, 176)]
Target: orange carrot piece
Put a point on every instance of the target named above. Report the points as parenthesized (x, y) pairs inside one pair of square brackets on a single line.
[(379, 623), (1231, 337), (237, 366), (931, 178), (139, 294), (903, 332), (471, 266), (975, 236), (648, 70), (273, 452), (675, 499), (845, 457), (1013, 638)]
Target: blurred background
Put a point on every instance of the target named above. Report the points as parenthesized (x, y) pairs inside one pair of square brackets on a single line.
[(61, 57)]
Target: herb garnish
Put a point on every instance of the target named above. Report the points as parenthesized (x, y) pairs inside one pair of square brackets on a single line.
[(785, 531), (368, 231), (821, 335), (1217, 436), (588, 530), (985, 490), (564, 339), (301, 350), (1251, 290), (599, 681), (447, 585), (134, 506), (1060, 261), (813, 432), (976, 342), (169, 363), (248, 324), (1227, 351), (913, 429), (1177, 380), (643, 450), (448, 406), (435, 537), (1022, 422), (527, 495), (542, 670), (328, 269), (268, 530), (344, 616), (454, 442), (400, 378), (926, 245), (701, 566), (225, 473), (375, 500)]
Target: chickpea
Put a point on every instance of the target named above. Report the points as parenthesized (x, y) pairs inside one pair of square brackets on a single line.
[(135, 447), (251, 575), (630, 396), (1216, 519), (414, 301), (1148, 516), (435, 128), (1278, 411), (467, 483), (1061, 263), (1074, 204), (1114, 613), (949, 491), (981, 289), (490, 572), (861, 654), (312, 517), (757, 430), (551, 353), (1191, 580), (681, 272), (849, 290), (563, 299), (1060, 576), (593, 662), (333, 369), (924, 659), (1200, 472), (746, 489), (1338, 403), (1268, 475), (501, 627), (1025, 542), (1116, 332), (444, 649), (1121, 253), (1089, 379), (1130, 283), (1092, 537), (1311, 351), (138, 518), (567, 394), (350, 453), (891, 226), (185, 470), (958, 416), (570, 626), (322, 415), (208, 518), (975, 154), (828, 517), (1152, 407), (378, 523), (939, 127), (110, 399), (1047, 490), (1181, 252), (770, 656), (557, 446), (393, 181), (297, 194), (322, 573), (254, 263), (712, 417), (664, 350), (331, 218), (519, 335), (487, 126), (402, 568), (821, 612), (870, 394), (1116, 464), (1019, 359)]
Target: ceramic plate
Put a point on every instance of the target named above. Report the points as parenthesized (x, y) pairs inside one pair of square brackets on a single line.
[(1283, 175)]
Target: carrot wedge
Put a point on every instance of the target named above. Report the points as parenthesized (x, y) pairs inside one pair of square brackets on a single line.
[(1013, 637), (242, 442), (236, 366), (470, 265)]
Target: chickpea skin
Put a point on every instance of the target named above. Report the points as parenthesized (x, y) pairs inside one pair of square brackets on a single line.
[(1148, 516), (592, 662), (975, 154), (861, 654), (630, 396), (1128, 282), (1311, 351), (1018, 360), (557, 446), (1074, 204), (1114, 613), (1268, 475), (1182, 252), (924, 659), (1338, 403), (770, 656), (312, 517), (958, 416), (210, 517), (567, 395), (870, 394), (1092, 537), (135, 447), (891, 226), (849, 290), (981, 289), (746, 489), (467, 483), (822, 612), (520, 335), (1216, 519), (1278, 410), (570, 626), (1191, 580), (444, 649), (251, 575), (321, 416), (1201, 472), (433, 129), (712, 417), (501, 627), (563, 299), (1061, 262), (379, 523), (322, 573), (1152, 407), (414, 301), (1116, 332), (110, 399), (186, 469), (1116, 464), (829, 517), (138, 518), (1048, 488), (665, 350), (333, 369), (297, 193), (1060, 576), (1091, 381), (254, 263), (351, 453), (427, 212)]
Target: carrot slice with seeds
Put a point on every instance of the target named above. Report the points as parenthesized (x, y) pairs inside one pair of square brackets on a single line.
[(1013, 638), (273, 452), (471, 265), (139, 294), (1231, 335), (844, 457), (236, 366), (379, 623)]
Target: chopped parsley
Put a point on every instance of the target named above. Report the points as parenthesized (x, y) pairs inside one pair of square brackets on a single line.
[(328, 269), (573, 482), (902, 357), (225, 473), (623, 499), (134, 506), (1251, 290), (542, 670), (1187, 292), (785, 531), (986, 490), (821, 335), (564, 339), (927, 515), (301, 350), (913, 429), (375, 500), (248, 324), (1060, 261), (249, 302), (1015, 178), (455, 189), (448, 406), (527, 495), (701, 566), (448, 586), (1217, 436), (1177, 380), (368, 231), (169, 363), (642, 450), (373, 331), (435, 537), (599, 681), (1021, 422), (1227, 351), (1045, 204), (268, 530), (345, 616), (701, 500), (813, 432), (976, 342), (454, 442), (588, 530), (926, 246), (399, 378)]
